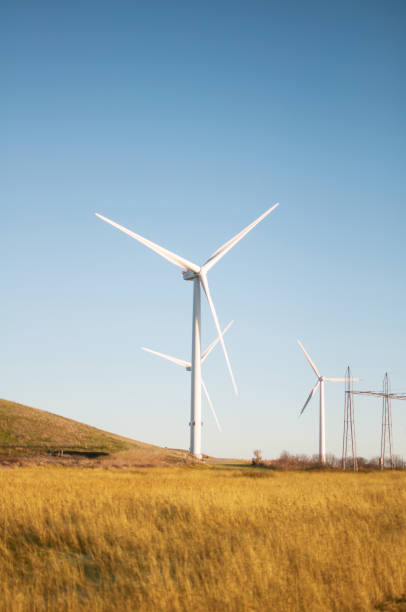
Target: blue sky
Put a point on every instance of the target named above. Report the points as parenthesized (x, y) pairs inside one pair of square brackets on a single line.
[(184, 121)]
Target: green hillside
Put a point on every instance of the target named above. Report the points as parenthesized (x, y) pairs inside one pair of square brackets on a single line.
[(29, 430)]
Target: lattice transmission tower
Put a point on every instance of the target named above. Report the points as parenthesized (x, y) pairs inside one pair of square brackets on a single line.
[(386, 424), (349, 444), (386, 431)]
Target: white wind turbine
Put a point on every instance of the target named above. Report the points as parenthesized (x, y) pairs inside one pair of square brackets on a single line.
[(320, 383), (188, 366), (197, 274)]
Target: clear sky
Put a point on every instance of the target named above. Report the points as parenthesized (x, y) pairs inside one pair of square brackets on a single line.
[(184, 121)]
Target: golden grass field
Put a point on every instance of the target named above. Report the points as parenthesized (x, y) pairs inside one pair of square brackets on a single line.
[(201, 538)]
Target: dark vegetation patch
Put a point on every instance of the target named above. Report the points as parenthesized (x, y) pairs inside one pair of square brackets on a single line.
[(254, 473), (393, 605), (286, 461)]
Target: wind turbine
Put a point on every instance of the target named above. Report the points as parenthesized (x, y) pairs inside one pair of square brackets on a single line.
[(197, 274), (188, 366), (320, 383)]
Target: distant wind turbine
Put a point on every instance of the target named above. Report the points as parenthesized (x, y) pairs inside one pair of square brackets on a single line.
[(188, 366), (197, 274), (320, 383)]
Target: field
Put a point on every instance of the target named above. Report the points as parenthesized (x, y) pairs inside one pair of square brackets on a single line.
[(201, 538)]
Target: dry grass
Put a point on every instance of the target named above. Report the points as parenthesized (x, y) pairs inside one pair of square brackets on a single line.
[(203, 538)]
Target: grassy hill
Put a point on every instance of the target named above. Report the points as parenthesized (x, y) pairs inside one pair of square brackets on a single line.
[(29, 431)]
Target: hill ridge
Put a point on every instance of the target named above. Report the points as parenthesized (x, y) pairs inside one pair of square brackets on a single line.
[(33, 429)]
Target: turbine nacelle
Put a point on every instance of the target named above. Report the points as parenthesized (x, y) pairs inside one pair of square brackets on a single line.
[(189, 275)]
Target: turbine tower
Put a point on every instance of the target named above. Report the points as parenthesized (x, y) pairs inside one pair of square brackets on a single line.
[(188, 366), (197, 274), (320, 383)]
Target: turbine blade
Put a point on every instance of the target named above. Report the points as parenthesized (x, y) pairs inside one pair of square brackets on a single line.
[(172, 257), (309, 359), (217, 255), (213, 344), (205, 286), (312, 392), (180, 362), (211, 405), (342, 379)]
